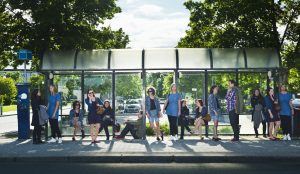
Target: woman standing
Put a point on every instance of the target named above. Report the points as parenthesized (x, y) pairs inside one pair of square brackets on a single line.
[(183, 120), (257, 103), (201, 111), (173, 109), (94, 119), (286, 112), (52, 109), (272, 114), (214, 109), (35, 106), (108, 118), (153, 112), (76, 117)]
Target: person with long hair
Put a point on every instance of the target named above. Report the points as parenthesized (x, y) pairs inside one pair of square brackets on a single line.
[(272, 114), (286, 112), (108, 118), (214, 109), (183, 120), (201, 112), (94, 119), (173, 110), (35, 106), (52, 109), (258, 104), (153, 112), (76, 119)]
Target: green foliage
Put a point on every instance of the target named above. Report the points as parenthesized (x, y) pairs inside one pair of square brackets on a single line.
[(39, 25), (37, 81), (164, 128), (8, 90), (16, 76), (129, 86)]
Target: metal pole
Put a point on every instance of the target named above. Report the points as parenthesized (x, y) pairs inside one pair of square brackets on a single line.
[(113, 88), (25, 76), (144, 101)]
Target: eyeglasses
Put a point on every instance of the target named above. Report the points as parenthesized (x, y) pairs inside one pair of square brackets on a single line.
[(91, 92), (77, 104), (150, 91)]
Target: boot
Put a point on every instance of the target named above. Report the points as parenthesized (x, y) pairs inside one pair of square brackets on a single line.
[(82, 134)]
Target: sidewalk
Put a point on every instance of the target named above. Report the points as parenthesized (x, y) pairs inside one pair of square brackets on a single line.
[(138, 151)]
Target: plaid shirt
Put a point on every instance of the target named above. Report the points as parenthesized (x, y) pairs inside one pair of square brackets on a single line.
[(230, 100)]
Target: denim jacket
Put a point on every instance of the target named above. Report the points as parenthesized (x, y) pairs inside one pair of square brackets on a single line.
[(72, 115), (212, 104), (148, 103)]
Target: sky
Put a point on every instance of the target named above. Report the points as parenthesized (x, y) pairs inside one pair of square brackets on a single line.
[(152, 23)]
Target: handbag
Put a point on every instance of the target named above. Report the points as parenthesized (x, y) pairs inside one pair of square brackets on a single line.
[(277, 106), (207, 117), (100, 110), (167, 102)]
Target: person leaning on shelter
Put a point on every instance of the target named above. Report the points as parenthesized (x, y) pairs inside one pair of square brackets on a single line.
[(273, 118), (258, 104), (52, 109), (183, 119), (94, 119), (233, 108), (214, 109), (173, 110), (76, 119), (286, 112), (35, 106), (153, 112)]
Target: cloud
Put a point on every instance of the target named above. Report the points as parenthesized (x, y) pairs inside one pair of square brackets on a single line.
[(151, 25)]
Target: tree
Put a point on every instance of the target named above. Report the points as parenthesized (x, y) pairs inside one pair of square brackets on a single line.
[(40, 25), (8, 90), (245, 23)]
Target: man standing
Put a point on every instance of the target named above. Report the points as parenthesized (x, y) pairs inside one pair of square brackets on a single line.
[(233, 108)]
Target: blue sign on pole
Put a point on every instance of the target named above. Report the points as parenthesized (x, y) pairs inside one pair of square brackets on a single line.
[(24, 55)]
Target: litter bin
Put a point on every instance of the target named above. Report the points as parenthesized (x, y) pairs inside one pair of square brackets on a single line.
[(296, 122)]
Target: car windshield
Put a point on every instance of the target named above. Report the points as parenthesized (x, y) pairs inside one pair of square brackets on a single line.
[(132, 102)]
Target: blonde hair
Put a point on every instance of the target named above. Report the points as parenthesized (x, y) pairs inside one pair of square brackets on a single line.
[(172, 85)]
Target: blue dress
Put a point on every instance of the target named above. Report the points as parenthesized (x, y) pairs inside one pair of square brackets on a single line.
[(52, 104), (93, 117), (270, 105)]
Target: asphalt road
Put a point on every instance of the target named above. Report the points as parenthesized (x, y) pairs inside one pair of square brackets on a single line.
[(174, 168)]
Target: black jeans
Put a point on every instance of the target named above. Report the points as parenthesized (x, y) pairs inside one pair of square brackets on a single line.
[(184, 123), (286, 124), (234, 121), (105, 127), (264, 123), (129, 128), (36, 134), (55, 132), (173, 122)]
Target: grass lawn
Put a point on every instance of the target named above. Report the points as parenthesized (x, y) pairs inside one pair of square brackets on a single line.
[(9, 108)]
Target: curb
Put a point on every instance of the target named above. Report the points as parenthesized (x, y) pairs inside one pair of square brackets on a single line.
[(129, 158)]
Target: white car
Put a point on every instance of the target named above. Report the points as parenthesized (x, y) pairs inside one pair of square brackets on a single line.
[(132, 106)]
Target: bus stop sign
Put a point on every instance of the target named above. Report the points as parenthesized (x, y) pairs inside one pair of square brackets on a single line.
[(24, 55)]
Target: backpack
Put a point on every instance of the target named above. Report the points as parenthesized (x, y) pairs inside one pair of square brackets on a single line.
[(43, 115), (239, 105)]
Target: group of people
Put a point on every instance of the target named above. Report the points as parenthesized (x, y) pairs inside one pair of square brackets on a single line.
[(271, 111)]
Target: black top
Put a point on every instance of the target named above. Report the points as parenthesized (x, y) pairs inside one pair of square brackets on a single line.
[(218, 104), (152, 104), (185, 111), (76, 114), (35, 106)]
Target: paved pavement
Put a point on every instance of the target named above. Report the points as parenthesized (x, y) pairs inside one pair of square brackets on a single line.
[(191, 150)]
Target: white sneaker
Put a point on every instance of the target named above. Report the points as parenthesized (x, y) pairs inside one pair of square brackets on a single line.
[(59, 140), (52, 140), (285, 138), (176, 137), (289, 137), (172, 138)]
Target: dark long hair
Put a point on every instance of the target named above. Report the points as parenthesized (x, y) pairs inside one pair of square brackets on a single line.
[(253, 93), (87, 93), (211, 91), (34, 95), (107, 101), (74, 104)]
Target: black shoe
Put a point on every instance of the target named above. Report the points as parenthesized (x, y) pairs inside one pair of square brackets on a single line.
[(162, 136), (82, 134), (235, 140), (157, 138), (181, 138), (73, 139), (107, 138), (40, 142), (216, 139), (34, 142)]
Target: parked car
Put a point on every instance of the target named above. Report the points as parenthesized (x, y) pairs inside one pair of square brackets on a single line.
[(296, 101), (132, 106)]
